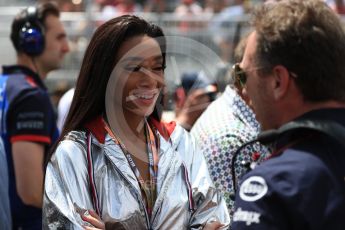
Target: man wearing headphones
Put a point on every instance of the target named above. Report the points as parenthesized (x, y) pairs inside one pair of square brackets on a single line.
[(28, 125)]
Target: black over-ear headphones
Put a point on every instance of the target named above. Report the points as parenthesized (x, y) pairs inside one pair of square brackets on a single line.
[(31, 34)]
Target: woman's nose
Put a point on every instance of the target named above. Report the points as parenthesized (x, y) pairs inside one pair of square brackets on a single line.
[(151, 77)]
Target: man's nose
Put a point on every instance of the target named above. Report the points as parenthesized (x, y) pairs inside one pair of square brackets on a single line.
[(65, 46), (244, 91)]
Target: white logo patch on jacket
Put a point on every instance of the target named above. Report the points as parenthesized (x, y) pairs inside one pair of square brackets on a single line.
[(253, 188), (248, 217)]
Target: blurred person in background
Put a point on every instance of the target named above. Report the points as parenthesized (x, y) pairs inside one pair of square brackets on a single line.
[(5, 211), (224, 29), (337, 5), (293, 73), (128, 6), (188, 7), (222, 129), (113, 8), (155, 6), (28, 124), (214, 6), (63, 107), (227, 26), (192, 97), (59, 89), (70, 6), (186, 13)]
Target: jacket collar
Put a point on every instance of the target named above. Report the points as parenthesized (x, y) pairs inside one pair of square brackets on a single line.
[(96, 127), (335, 115)]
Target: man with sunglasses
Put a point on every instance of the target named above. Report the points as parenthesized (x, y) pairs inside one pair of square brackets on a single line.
[(227, 124), (293, 72)]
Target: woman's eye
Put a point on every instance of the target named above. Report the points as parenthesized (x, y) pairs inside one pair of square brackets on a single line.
[(140, 68), (133, 68), (159, 68)]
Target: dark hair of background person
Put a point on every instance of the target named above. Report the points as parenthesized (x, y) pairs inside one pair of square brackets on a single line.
[(240, 47), (97, 66), (43, 11), (311, 44), (223, 75), (238, 56)]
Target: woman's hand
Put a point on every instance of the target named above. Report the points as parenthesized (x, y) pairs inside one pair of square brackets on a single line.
[(213, 226), (92, 218)]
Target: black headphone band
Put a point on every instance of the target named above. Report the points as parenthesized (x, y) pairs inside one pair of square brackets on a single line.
[(31, 13), (33, 17)]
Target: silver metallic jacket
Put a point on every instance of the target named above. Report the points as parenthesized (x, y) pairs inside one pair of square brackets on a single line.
[(67, 186)]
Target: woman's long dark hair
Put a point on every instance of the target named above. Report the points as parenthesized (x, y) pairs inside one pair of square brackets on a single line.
[(98, 64)]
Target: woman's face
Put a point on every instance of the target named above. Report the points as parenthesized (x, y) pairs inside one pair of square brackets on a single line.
[(140, 70)]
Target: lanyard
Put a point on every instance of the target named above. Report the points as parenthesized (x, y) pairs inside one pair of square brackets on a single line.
[(149, 190)]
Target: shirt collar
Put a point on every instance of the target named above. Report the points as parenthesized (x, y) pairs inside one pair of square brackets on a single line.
[(19, 69), (333, 114), (240, 108)]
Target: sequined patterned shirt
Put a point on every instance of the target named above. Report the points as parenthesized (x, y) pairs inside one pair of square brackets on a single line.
[(227, 124)]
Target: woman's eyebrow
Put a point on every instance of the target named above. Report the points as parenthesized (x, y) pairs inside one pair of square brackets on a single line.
[(140, 59), (130, 59)]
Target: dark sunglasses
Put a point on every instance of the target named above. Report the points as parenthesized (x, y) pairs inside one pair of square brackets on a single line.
[(238, 74)]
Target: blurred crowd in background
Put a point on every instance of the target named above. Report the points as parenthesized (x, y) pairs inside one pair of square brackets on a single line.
[(157, 6), (217, 24), (200, 62)]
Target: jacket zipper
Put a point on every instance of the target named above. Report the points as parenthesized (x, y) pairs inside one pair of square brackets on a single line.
[(148, 225)]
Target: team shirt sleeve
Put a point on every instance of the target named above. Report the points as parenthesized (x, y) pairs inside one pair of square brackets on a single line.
[(30, 117)]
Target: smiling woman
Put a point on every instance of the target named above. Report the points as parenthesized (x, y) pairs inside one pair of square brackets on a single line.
[(116, 164), (142, 75)]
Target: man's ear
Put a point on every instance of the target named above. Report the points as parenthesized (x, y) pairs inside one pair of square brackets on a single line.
[(281, 82)]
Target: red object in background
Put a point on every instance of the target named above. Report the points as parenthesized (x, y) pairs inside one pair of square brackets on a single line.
[(180, 97), (340, 9), (255, 156)]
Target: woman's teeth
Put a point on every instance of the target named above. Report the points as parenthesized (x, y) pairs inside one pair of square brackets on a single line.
[(145, 96)]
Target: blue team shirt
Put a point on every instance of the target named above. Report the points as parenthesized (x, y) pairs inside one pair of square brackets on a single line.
[(302, 188), (26, 115), (5, 212)]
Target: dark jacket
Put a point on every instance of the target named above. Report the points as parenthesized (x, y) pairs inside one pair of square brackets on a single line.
[(26, 115), (302, 186)]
